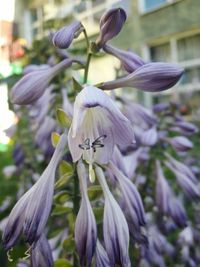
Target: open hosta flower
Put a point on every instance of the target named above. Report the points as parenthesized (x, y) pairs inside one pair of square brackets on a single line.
[(85, 226), (115, 227), (33, 85), (64, 37), (111, 24), (41, 255), (150, 77), (30, 214), (97, 126)]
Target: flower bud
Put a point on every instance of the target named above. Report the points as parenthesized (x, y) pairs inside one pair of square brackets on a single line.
[(151, 77), (33, 85), (111, 24), (64, 37)]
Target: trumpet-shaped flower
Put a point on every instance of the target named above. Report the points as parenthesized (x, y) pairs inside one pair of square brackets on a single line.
[(30, 214), (115, 227), (41, 254), (33, 85), (97, 126), (85, 226)]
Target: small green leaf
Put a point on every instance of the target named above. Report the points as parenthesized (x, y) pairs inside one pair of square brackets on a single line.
[(59, 210), (55, 137), (69, 244), (76, 85), (94, 191), (62, 263), (62, 181), (98, 212), (65, 168), (63, 119)]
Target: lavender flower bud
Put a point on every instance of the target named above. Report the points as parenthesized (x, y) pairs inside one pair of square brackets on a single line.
[(129, 60), (149, 137), (151, 77), (32, 86), (41, 254), (160, 107), (186, 128), (111, 24), (64, 37), (85, 226), (115, 227), (180, 143), (101, 257)]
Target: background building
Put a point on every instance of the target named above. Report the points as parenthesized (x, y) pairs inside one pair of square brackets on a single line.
[(159, 30)]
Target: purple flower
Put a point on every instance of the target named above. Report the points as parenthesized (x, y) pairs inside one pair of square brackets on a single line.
[(180, 143), (160, 107), (131, 196), (111, 24), (101, 257), (149, 137), (186, 128), (33, 85), (64, 37), (31, 212), (190, 187), (97, 126), (166, 201), (85, 226), (41, 254), (130, 61), (151, 77), (115, 228), (139, 115)]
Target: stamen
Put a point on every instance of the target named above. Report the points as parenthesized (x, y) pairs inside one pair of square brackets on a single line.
[(27, 254), (91, 173), (10, 259)]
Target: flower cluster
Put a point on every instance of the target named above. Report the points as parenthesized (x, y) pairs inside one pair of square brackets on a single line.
[(106, 145)]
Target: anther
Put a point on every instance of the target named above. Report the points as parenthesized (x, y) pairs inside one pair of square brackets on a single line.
[(9, 256)]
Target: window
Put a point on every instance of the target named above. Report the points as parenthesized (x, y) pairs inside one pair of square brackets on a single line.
[(151, 4), (160, 52), (189, 48)]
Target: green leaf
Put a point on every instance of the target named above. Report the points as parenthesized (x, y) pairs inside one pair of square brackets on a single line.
[(76, 85), (98, 212), (59, 210), (69, 244), (63, 119), (65, 168), (94, 191), (62, 263), (55, 137), (62, 181), (62, 197)]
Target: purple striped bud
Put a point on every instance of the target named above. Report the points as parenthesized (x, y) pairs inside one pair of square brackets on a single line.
[(191, 189), (129, 60), (180, 143), (160, 107), (149, 137), (31, 212), (33, 85), (115, 227), (151, 77), (85, 226), (41, 254), (111, 24), (101, 257), (64, 37), (186, 128)]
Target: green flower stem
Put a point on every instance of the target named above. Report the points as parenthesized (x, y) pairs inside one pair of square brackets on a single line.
[(89, 55)]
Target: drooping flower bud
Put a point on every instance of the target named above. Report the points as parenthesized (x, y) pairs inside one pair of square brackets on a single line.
[(129, 60), (151, 77), (111, 24), (149, 137), (64, 37), (32, 86), (180, 143)]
